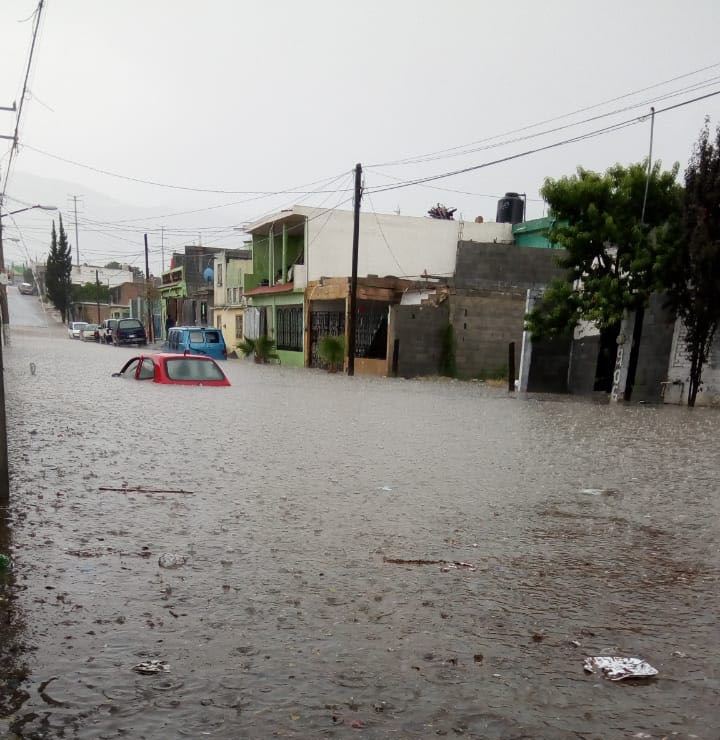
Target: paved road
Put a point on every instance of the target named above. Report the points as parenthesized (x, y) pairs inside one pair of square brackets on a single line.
[(25, 310), (318, 524)]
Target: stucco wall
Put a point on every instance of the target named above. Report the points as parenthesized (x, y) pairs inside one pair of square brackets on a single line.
[(679, 372), (403, 246)]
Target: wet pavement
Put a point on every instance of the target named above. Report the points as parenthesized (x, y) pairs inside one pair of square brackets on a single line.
[(590, 529)]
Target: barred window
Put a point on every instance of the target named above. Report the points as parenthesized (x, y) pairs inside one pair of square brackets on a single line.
[(219, 275), (289, 330), (238, 326)]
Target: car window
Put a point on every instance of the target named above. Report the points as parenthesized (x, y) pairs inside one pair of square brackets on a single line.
[(130, 324), (191, 369), (212, 337), (147, 370), (196, 337), (130, 368)]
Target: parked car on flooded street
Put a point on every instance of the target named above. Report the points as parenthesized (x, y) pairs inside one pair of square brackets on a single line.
[(197, 340), (106, 330), (75, 327), (26, 289), (174, 369), (90, 333), (129, 331)]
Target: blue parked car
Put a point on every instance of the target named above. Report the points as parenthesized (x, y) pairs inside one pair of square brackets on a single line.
[(198, 340)]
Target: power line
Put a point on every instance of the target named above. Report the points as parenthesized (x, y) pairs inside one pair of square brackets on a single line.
[(410, 160), (554, 145), (22, 96), (99, 170), (382, 233)]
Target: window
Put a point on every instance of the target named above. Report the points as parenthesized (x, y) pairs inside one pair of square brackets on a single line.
[(289, 330), (196, 337), (218, 321), (147, 370), (203, 312), (193, 369), (234, 295), (129, 324), (212, 337), (229, 299), (238, 326), (219, 275)]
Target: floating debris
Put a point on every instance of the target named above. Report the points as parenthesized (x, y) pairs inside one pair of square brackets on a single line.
[(617, 669), (447, 564), (151, 667), (5, 562), (172, 560), (384, 488), (140, 489)]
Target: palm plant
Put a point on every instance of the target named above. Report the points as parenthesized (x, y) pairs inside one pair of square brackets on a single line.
[(262, 349), (332, 351)]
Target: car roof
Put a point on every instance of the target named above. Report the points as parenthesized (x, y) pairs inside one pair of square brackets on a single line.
[(195, 328), (179, 356)]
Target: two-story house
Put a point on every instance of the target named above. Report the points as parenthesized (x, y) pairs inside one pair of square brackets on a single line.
[(230, 267)]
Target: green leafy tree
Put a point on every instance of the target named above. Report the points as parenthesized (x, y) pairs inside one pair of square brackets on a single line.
[(58, 268), (693, 270), (612, 257), (90, 292)]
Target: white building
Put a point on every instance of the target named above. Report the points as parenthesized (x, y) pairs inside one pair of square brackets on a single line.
[(82, 274), (401, 246)]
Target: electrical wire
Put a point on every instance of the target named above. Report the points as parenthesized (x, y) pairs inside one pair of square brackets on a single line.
[(546, 147), (382, 233), (527, 127)]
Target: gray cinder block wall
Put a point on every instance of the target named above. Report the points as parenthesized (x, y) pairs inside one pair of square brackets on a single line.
[(419, 330)]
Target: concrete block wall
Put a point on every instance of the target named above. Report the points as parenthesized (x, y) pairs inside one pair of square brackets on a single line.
[(485, 322), (420, 331), (655, 347), (482, 266)]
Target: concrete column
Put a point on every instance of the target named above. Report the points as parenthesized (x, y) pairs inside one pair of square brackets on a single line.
[(283, 266), (622, 361)]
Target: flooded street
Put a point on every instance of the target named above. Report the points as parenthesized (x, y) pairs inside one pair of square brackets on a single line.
[(591, 530)]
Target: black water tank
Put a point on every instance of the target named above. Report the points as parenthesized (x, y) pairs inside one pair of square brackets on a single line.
[(510, 209)]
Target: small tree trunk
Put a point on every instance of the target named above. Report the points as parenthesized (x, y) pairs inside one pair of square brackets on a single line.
[(696, 366)]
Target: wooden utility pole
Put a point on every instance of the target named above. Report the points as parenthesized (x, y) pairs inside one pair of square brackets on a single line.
[(353, 277), (150, 332), (511, 367), (77, 240), (97, 295)]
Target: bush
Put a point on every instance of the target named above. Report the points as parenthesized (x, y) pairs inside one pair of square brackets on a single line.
[(332, 351), (262, 349)]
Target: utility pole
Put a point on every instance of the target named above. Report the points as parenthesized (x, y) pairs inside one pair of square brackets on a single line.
[(4, 470), (97, 294), (649, 168), (147, 292), (77, 242), (353, 278), (162, 246)]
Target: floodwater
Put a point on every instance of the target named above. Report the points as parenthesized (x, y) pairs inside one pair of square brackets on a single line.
[(591, 529)]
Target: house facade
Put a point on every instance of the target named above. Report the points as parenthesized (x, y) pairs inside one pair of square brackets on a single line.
[(231, 266)]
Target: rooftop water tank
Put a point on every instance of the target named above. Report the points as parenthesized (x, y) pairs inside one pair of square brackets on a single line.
[(510, 209)]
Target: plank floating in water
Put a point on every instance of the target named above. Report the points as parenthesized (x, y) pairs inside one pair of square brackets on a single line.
[(140, 489)]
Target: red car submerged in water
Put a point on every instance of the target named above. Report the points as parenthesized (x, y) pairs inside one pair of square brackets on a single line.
[(174, 369)]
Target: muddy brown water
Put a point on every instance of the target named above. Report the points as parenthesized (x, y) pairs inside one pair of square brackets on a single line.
[(588, 523)]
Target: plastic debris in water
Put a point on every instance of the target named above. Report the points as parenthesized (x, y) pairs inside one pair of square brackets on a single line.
[(617, 669), (385, 488), (150, 667), (172, 560), (32, 368)]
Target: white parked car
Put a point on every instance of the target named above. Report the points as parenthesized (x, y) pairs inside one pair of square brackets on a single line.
[(89, 333), (75, 327)]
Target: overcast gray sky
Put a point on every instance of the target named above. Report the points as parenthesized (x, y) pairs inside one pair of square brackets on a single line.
[(264, 96)]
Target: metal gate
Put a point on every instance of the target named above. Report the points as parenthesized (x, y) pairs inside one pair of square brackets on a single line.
[(322, 324)]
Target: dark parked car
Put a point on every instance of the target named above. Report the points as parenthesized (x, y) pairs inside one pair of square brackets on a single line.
[(129, 331), (106, 330)]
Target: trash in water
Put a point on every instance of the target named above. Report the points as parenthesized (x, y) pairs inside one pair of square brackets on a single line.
[(141, 489), (172, 560), (384, 488), (150, 667), (447, 564), (617, 669), (601, 492), (32, 368), (5, 562)]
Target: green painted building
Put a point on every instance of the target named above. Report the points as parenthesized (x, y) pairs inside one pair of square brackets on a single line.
[(534, 233)]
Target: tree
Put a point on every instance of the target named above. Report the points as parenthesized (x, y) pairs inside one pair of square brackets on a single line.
[(59, 268), (693, 271), (90, 293), (612, 258), (113, 266)]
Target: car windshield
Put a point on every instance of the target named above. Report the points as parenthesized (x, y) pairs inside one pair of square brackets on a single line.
[(79, 324), (129, 324), (187, 368), (90, 327)]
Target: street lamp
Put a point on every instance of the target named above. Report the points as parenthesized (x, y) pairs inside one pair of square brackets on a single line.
[(29, 208)]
